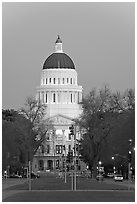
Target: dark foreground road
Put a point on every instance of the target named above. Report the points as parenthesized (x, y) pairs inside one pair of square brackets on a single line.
[(48, 188), (69, 196)]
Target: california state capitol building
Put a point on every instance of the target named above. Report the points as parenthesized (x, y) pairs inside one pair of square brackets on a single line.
[(60, 92)]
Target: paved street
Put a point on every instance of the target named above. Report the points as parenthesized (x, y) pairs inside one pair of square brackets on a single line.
[(52, 189)]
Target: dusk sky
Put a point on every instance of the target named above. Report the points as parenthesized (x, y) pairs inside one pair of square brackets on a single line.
[(99, 38)]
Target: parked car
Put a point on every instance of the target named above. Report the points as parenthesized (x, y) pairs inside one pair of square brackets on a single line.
[(100, 177), (110, 175), (118, 177)]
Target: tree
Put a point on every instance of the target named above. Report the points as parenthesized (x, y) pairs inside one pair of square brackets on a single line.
[(101, 112), (95, 120), (38, 126), (13, 138)]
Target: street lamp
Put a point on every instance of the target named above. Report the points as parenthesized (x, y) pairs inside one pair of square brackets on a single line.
[(129, 163), (100, 170), (114, 168)]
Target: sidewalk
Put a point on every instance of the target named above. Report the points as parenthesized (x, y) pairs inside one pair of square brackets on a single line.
[(123, 183), (6, 183)]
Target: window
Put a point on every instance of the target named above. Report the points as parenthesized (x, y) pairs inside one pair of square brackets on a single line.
[(57, 164), (54, 98), (71, 80), (63, 80), (58, 149), (67, 80), (69, 148), (69, 137), (41, 165), (48, 149), (71, 97), (46, 97), (54, 81), (49, 80), (46, 80), (42, 148)]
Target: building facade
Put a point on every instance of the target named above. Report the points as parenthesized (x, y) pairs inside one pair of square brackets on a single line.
[(60, 91)]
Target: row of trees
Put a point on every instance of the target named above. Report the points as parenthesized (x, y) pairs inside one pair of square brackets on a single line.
[(107, 123), (23, 132)]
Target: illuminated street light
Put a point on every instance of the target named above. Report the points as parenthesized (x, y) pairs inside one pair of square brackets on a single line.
[(100, 170), (129, 152), (100, 162), (114, 168), (129, 163)]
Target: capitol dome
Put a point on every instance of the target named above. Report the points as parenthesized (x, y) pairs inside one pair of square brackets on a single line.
[(58, 60)]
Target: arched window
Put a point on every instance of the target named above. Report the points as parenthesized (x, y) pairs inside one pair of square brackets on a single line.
[(41, 165), (54, 97)]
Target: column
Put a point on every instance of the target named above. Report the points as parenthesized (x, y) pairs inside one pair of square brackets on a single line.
[(67, 97), (50, 96)]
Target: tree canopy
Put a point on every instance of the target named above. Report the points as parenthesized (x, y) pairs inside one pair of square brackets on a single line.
[(23, 132), (107, 123)]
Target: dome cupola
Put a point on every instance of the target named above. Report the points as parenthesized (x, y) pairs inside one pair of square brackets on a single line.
[(58, 40), (58, 60)]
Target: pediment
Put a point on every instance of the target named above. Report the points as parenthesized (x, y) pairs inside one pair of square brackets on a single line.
[(60, 120)]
